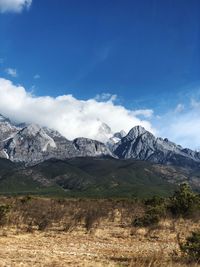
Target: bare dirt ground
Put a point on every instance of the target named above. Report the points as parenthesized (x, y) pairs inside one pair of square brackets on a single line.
[(109, 244)]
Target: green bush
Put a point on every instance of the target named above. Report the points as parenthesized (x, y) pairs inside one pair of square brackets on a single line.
[(154, 201), (192, 246), (151, 217), (184, 202)]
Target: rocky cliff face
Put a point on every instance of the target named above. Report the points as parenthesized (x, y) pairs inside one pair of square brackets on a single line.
[(31, 144), (89, 148), (141, 144), (34, 144), (7, 129)]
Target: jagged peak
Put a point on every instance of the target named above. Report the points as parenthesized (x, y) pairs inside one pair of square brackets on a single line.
[(104, 128), (31, 129), (136, 131), (53, 133)]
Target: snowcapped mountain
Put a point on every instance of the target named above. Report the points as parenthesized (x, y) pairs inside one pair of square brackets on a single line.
[(32, 144), (107, 136), (104, 133)]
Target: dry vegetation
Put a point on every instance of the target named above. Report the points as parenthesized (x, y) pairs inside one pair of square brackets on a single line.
[(67, 232)]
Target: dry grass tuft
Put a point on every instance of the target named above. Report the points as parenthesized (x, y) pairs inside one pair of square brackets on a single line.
[(67, 232)]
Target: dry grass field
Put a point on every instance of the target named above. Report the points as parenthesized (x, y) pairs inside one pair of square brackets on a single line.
[(55, 233)]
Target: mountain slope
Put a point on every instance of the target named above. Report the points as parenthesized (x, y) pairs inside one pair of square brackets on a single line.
[(94, 177), (143, 145), (7, 130), (34, 144)]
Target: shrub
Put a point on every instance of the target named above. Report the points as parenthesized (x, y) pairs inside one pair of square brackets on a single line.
[(184, 201), (43, 223), (93, 217), (151, 217), (26, 199), (146, 220), (4, 209), (154, 201), (192, 246)]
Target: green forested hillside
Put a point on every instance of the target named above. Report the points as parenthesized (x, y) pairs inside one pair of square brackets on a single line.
[(90, 177)]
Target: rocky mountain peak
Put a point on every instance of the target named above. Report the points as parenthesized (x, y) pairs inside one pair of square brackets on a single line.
[(104, 133), (31, 130), (7, 129), (52, 133), (143, 145), (136, 132)]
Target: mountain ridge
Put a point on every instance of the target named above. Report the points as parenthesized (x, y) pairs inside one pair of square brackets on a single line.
[(32, 144)]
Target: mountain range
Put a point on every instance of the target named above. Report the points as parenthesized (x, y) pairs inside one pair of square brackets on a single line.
[(32, 144), (32, 156)]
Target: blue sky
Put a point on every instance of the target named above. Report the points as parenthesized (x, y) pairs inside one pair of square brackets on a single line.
[(147, 52)]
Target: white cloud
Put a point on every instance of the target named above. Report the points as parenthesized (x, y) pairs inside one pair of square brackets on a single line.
[(11, 72), (105, 97), (74, 118), (182, 125), (147, 113), (36, 76), (14, 6), (179, 108), (70, 116)]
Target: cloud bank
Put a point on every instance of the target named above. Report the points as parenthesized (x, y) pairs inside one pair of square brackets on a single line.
[(83, 118), (70, 116), (14, 6)]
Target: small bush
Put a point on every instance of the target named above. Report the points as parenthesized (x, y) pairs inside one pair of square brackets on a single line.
[(146, 220), (26, 199), (151, 217), (43, 223), (93, 217), (192, 246), (4, 210), (154, 201), (184, 202)]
